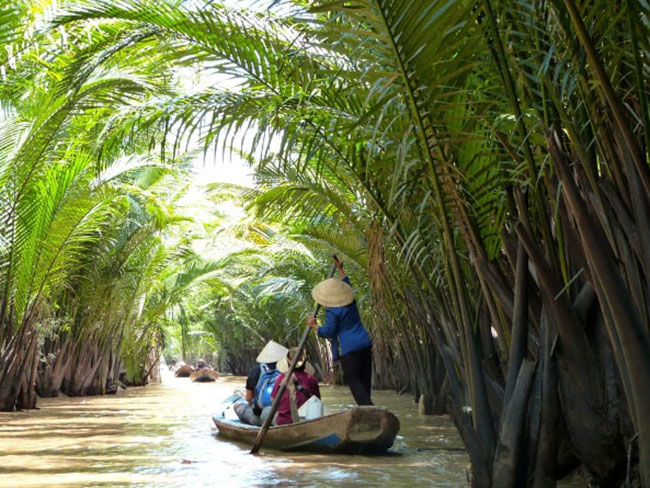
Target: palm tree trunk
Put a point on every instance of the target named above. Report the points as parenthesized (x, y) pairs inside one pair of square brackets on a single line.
[(626, 327)]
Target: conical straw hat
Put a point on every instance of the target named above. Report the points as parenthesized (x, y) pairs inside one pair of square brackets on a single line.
[(272, 353), (333, 293), (285, 362)]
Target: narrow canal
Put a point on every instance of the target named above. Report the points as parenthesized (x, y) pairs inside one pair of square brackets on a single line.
[(163, 436)]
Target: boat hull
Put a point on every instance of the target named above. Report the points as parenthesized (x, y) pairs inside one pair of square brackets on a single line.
[(184, 371), (359, 430), (204, 375)]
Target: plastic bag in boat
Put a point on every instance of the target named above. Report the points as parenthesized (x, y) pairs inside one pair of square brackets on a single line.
[(227, 408), (311, 409)]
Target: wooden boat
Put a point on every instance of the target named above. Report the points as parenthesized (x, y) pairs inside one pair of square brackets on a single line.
[(184, 371), (355, 431), (204, 375)]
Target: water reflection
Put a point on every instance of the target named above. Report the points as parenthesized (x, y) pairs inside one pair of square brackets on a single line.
[(162, 435)]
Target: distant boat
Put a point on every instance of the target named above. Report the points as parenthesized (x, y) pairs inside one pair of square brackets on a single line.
[(184, 371), (360, 430), (204, 375)]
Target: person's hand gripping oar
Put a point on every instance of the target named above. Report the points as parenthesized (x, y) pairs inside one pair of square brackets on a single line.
[(276, 402)]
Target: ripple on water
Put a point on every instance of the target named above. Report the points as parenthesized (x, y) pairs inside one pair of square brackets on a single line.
[(163, 436)]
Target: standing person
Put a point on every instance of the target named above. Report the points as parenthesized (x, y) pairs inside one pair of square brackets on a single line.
[(306, 386), (343, 326), (259, 384)]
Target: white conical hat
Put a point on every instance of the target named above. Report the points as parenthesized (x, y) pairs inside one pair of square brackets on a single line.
[(272, 353), (285, 362), (333, 293)]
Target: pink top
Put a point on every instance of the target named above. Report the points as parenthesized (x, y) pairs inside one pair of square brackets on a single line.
[(308, 382)]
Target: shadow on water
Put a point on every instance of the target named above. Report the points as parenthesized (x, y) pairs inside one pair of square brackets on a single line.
[(163, 435)]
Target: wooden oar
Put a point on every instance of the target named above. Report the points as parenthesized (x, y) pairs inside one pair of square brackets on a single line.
[(276, 403)]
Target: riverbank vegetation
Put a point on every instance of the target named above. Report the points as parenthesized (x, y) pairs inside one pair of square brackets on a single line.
[(481, 166)]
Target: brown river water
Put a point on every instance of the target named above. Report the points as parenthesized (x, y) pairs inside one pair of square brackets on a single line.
[(163, 436)]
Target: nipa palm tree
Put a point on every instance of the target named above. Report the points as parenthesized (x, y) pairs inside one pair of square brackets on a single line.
[(495, 154)]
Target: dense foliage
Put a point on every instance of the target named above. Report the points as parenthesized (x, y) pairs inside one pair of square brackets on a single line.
[(86, 270), (485, 163)]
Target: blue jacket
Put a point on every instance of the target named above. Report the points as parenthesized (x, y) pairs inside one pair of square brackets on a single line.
[(343, 326)]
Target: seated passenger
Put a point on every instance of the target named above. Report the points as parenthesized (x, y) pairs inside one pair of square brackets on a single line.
[(306, 385), (200, 364), (259, 385)]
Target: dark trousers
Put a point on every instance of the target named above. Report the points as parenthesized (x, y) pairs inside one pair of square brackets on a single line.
[(357, 371)]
